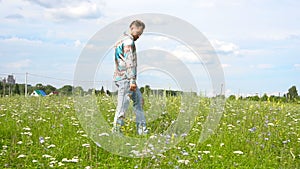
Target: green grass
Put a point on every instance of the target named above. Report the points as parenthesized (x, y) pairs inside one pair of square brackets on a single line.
[(249, 135)]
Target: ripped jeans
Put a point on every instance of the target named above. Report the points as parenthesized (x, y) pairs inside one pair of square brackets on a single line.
[(124, 96)]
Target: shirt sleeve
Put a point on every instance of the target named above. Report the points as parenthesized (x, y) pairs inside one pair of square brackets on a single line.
[(130, 57)]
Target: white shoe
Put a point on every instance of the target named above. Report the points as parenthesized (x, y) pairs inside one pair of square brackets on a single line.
[(142, 130)]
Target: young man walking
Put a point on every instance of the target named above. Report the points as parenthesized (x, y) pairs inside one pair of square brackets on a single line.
[(125, 78)]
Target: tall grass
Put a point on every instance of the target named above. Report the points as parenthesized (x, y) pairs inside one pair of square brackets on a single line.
[(45, 132)]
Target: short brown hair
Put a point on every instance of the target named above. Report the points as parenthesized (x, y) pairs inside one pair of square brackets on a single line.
[(137, 23)]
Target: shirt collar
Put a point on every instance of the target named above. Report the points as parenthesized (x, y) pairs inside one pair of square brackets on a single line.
[(128, 34)]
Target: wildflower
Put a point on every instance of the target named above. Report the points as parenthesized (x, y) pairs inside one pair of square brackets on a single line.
[(199, 157), (26, 129), (98, 144), (21, 156), (222, 144), (185, 153), (87, 167), (206, 152), (35, 161), (184, 161), (103, 134), (60, 164), (253, 129), (271, 124), (230, 126), (73, 160), (85, 145), (46, 156), (135, 152), (42, 140), (27, 133), (51, 146), (286, 141), (53, 162), (208, 145), (152, 137), (183, 135), (238, 152), (19, 142), (75, 124), (192, 144)]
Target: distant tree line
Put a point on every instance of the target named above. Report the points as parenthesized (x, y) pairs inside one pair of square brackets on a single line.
[(290, 96), (67, 90), (19, 89)]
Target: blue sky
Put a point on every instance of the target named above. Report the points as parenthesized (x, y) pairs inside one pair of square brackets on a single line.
[(257, 41)]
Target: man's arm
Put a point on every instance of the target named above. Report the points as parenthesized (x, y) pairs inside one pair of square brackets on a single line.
[(130, 63)]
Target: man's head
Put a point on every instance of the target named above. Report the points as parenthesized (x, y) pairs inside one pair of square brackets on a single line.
[(136, 29)]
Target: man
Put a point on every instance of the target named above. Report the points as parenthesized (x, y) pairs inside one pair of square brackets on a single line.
[(125, 78)]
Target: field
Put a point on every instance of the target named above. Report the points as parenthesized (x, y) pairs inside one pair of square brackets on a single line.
[(45, 132)]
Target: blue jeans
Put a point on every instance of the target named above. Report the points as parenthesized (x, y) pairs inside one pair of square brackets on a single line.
[(124, 96)]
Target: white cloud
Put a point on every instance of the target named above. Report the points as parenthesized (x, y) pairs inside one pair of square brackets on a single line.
[(185, 54), (204, 4), (160, 38), (222, 47), (18, 64), (297, 65), (59, 10), (265, 66), (262, 66), (77, 43), (14, 16), (83, 10), (54, 3), (226, 65), (15, 40)]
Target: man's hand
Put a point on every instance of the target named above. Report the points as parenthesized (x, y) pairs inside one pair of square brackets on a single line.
[(132, 87)]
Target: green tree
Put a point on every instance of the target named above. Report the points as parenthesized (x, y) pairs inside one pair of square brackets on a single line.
[(264, 97), (292, 93), (232, 97), (66, 90), (142, 89), (1, 88), (16, 89), (39, 86), (78, 91), (147, 90), (48, 89), (102, 91), (108, 92)]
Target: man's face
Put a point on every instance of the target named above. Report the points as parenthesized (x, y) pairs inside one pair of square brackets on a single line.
[(136, 32)]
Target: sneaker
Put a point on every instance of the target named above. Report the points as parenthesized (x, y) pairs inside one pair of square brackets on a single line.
[(118, 127), (142, 129), (116, 130)]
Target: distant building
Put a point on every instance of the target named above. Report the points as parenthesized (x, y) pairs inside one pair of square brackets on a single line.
[(38, 93), (4, 81), (53, 93), (11, 80)]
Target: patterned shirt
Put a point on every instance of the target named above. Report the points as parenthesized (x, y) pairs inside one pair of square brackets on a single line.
[(125, 59)]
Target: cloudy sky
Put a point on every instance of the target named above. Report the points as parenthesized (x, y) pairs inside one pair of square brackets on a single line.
[(257, 41)]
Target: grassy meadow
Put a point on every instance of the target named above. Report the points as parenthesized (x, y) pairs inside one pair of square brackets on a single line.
[(44, 132)]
